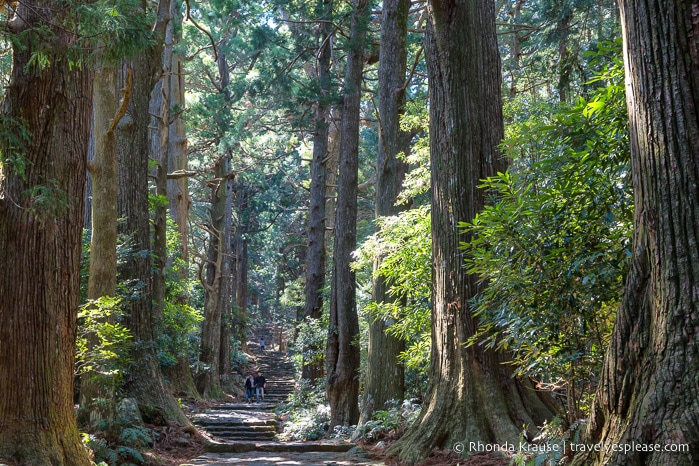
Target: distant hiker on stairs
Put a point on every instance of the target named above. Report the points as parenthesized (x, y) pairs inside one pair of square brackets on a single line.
[(249, 388), (262, 343), (260, 385)]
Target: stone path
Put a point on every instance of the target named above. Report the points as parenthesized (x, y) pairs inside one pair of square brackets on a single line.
[(282, 458), (245, 434)]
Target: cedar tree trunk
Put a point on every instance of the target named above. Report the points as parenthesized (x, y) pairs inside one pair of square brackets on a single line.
[(315, 254), (649, 389), (146, 382), (342, 354), (42, 182), (472, 397), (217, 266), (385, 375)]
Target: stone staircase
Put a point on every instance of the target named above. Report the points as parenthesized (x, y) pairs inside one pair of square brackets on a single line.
[(245, 433), (253, 422)]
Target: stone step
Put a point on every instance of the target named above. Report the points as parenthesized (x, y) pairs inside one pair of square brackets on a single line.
[(263, 406), (224, 428), (245, 436), (313, 446), (235, 422)]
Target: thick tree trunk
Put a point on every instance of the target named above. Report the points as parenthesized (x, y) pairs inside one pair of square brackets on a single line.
[(566, 58), (42, 184), (180, 376), (241, 264), (342, 354), (217, 266), (649, 390), (472, 397), (103, 244), (102, 279), (516, 41), (178, 188), (332, 167), (227, 284), (315, 254), (160, 144), (146, 382), (385, 375), (224, 359), (241, 280)]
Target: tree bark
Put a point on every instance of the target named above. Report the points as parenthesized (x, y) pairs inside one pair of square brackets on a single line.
[(241, 263), (385, 375), (146, 382), (180, 376), (178, 188), (160, 144), (472, 396), (102, 279), (217, 267), (649, 389), (42, 185), (315, 254), (342, 354)]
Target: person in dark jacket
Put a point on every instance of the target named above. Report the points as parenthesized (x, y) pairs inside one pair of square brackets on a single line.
[(249, 388), (260, 385)]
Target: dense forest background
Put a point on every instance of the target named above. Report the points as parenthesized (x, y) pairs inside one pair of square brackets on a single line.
[(465, 221)]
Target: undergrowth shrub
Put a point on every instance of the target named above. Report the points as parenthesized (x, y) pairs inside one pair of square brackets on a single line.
[(306, 412), (395, 419)]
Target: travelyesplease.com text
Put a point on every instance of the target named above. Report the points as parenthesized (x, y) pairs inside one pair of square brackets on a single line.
[(524, 447)]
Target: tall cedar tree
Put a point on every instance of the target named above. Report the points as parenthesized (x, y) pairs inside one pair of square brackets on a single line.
[(342, 354), (649, 390), (472, 397), (217, 282), (243, 193), (218, 276), (179, 375), (385, 375), (42, 182), (146, 382), (102, 279), (315, 253)]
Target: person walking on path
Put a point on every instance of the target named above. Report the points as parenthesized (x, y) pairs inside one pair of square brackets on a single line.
[(249, 388), (260, 385), (262, 343)]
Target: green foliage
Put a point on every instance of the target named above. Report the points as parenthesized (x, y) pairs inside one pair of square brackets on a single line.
[(103, 344), (553, 250), (309, 346), (306, 413), (124, 448), (544, 45), (417, 180), (180, 323), (14, 138), (116, 28), (393, 420), (106, 30), (136, 437), (403, 242), (46, 201)]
